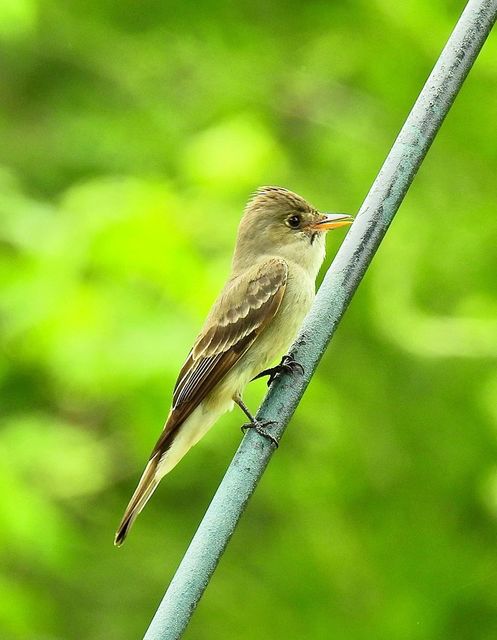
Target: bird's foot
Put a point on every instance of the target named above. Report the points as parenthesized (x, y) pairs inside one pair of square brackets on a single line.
[(261, 428), (287, 365)]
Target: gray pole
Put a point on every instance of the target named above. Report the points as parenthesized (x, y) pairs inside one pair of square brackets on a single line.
[(339, 285)]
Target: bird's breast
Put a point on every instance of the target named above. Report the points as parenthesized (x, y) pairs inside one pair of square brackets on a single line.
[(277, 337)]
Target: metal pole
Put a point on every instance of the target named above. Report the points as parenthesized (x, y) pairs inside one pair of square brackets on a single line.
[(339, 285)]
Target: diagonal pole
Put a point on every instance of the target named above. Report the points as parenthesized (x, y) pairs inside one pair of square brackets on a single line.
[(339, 285)]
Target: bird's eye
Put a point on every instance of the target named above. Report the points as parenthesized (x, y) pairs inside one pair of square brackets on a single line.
[(294, 222)]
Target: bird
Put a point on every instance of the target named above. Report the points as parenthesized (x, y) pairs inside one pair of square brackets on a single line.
[(279, 250)]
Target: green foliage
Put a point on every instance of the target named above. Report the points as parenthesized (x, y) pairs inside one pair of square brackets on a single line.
[(132, 133)]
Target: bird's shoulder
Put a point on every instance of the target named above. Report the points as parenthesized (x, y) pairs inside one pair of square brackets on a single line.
[(249, 300), (259, 282)]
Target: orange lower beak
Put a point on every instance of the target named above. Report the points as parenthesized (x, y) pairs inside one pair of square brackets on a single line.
[(332, 221)]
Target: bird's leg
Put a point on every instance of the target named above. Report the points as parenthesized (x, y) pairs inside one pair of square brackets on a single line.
[(260, 427), (287, 365)]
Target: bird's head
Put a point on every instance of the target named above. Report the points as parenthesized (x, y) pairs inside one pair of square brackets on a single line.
[(281, 223)]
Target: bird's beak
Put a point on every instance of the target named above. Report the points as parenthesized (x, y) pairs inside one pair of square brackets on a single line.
[(332, 221)]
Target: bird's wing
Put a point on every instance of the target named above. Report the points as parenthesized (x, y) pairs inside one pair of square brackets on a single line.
[(246, 306)]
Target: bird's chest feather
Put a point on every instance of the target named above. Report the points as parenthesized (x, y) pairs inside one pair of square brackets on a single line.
[(275, 340)]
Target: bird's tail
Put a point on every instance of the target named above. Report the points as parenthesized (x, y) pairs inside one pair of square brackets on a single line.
[(168, 451), (146, 487)]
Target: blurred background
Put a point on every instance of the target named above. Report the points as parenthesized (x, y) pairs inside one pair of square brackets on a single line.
[(131, 136)]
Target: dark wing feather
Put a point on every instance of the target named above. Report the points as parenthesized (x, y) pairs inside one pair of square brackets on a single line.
[(245, 307)]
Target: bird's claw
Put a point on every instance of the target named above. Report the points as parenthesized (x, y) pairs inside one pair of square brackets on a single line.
[(261, 428), (287, 365), (290, 365)]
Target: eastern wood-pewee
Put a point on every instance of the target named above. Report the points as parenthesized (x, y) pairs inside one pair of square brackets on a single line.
[(279, 250)]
